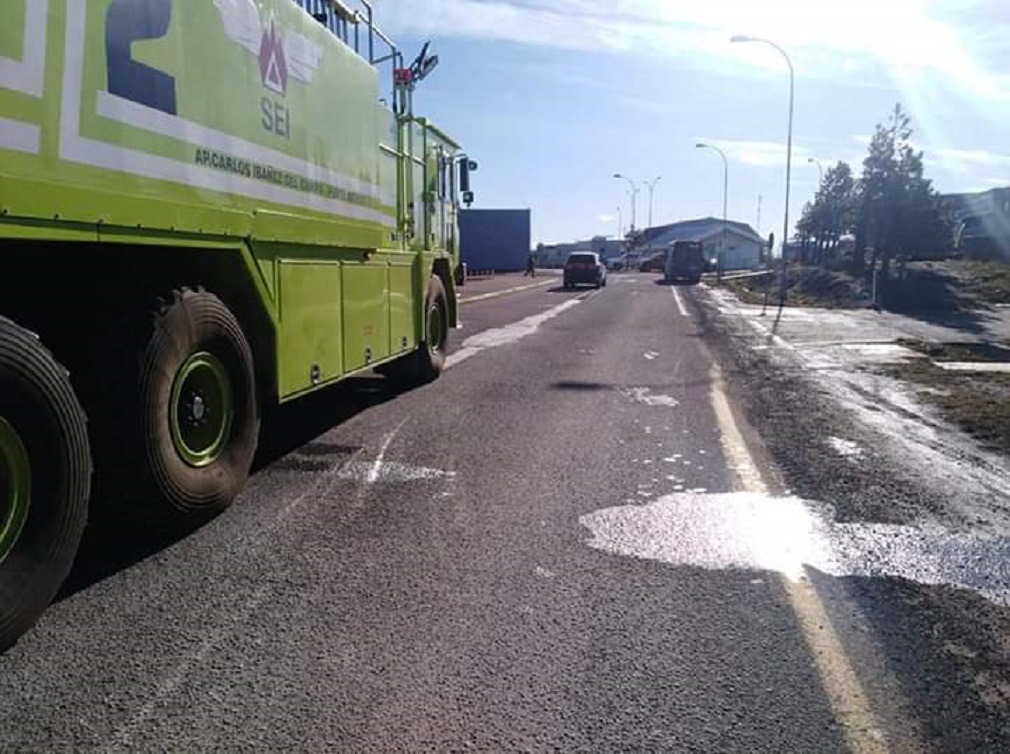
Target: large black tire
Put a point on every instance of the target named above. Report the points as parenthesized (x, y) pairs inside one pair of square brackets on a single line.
[(428, 361), (45, 477), (434, 349), (180, 427)]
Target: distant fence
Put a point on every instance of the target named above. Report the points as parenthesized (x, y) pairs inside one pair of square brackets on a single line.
[(478, 274)]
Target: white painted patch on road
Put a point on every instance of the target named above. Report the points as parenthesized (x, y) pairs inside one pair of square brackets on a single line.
[(788, 535), (389, 471), (723, 531), (677, 299), (500, 336), (650, 355), (846, 448), (646, 397)]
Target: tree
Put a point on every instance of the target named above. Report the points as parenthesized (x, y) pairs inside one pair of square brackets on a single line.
[(831, 214), (897, 211)]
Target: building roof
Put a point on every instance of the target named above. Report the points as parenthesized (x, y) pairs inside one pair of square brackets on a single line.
[(696, 230), (978, 202)]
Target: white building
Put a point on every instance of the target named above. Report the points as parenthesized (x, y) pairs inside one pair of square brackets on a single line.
[(743, 247)]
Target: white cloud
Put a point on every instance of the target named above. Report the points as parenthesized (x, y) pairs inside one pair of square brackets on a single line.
[(605, 218), (825, 37), (964, 160), (758, 153)]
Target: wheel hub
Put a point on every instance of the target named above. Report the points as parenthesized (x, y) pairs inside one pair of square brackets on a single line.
[(196, 408), (15, 487), (201, 410)]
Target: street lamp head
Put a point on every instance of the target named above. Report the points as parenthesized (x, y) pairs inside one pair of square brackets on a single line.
[(700, 145), (743, 38), (618, 175)]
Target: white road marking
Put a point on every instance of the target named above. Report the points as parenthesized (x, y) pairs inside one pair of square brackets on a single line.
[(500, 336), (680, 302), (505, 292), (645, 396), (376, 467), (122, 737)]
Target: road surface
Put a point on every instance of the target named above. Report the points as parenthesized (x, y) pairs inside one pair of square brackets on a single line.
[(573, 541)]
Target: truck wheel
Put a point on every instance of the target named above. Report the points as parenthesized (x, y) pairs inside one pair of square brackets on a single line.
[(427, 362), (45, 474), (434, 349), (191, 420)]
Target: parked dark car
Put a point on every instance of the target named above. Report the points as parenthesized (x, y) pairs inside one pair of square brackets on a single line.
[(584, 268), (685, 261), (653, 263)]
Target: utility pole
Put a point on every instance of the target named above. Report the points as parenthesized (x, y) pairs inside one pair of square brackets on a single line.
[(759, 215), (652, 187), (634, 191), (725, 195)]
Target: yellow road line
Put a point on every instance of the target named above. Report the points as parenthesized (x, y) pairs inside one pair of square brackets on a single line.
[(494, 294), (845, 693)]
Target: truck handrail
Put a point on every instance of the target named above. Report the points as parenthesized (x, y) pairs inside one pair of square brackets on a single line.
[(339, 16)]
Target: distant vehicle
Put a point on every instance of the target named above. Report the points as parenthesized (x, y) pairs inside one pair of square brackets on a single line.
[(653, 263), (584, 268), (685, 260)]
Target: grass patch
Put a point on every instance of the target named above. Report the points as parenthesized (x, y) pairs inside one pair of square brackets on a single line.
[(971, 351), (978, 403), (805, 286), (952, 285), (986, 282)]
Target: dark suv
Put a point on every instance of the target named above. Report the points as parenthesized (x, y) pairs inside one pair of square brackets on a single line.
[(584, 268), (685, 260)]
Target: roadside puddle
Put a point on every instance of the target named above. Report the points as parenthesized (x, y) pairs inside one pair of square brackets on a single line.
[(749, 531)]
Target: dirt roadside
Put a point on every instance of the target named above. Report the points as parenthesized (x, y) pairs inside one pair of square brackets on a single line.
[(845, 432)]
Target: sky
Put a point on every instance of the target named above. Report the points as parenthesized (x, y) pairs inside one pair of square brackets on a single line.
[(553, 97)]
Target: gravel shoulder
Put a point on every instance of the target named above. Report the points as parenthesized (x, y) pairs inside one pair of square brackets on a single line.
[(858, 438)]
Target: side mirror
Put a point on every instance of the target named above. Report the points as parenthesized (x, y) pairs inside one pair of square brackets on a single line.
[(467, 198), (464, 176)]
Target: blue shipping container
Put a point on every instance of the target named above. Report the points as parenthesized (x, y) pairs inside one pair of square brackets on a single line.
[(495, 239)]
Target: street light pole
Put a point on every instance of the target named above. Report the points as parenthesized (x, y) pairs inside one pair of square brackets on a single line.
[(634, 190), (652, 187), (725, 196), (820, 168), (620, 223), (789, 151)]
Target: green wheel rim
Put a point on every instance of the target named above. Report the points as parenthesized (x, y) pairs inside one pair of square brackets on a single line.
[(15, 488), (201, 410), (436, 328)]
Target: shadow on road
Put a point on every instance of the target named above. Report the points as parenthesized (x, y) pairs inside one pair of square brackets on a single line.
[(110, 545), (578, 386), (673, 283)]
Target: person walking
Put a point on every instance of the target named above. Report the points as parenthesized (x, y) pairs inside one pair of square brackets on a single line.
[(531, 269)]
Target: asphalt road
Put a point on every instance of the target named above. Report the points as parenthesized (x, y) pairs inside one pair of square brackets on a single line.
[(535, 553)]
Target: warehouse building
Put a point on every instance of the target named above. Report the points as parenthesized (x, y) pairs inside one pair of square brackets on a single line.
[(743, 247), (494, 239)]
